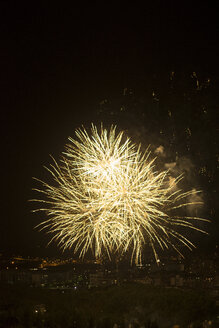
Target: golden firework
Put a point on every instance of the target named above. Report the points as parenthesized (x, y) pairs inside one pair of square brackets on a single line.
[(108, 197)]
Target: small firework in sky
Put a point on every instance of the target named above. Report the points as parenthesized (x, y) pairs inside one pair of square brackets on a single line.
[(108, 197)]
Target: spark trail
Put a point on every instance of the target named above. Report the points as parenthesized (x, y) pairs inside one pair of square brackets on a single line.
[(108, 197)]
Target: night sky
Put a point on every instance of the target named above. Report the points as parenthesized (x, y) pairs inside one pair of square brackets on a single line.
[(62, 67)]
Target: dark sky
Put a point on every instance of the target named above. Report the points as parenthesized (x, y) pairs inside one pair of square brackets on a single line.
[(59, 63)]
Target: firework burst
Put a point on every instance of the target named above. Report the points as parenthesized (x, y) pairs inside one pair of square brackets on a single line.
[(108, 197)]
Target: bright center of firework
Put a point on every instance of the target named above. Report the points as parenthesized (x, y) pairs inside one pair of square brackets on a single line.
[(107, 168), (108, 197)]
